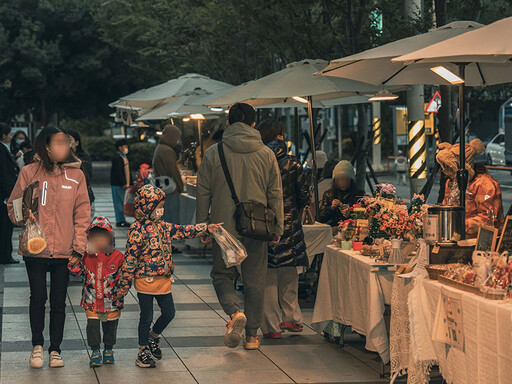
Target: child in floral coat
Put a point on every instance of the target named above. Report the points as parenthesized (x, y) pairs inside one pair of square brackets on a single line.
[(100, 270), (149, 262)]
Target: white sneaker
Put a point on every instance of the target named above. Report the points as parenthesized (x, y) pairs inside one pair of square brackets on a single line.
[(37, 357), (55, 360)]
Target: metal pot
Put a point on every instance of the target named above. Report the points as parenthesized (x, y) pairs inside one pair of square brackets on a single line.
[(444, 224)]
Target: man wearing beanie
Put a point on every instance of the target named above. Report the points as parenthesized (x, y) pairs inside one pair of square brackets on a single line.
[(336, 201)]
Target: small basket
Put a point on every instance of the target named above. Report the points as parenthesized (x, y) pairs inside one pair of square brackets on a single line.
[(434, 270)]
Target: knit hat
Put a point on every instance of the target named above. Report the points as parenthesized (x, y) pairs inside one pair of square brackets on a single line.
[(321, 159), (344, 169)]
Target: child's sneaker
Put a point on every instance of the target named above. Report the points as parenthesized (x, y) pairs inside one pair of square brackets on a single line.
[(95, 360), (37, 357), (144, 359), (108, 356), (235, 329), (154, 347)]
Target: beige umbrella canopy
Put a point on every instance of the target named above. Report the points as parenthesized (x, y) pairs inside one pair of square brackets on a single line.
[(187, 104), (374, 66), (485, 52), (297, 79), (168, 91), (480, 57)]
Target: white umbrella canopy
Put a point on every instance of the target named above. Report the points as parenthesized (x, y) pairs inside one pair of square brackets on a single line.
[(297, 79), (374, 66), (187, 104), (486, 53), (166, 92)]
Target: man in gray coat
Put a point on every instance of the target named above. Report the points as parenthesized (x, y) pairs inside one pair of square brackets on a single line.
[(165, 164), (256, 177)]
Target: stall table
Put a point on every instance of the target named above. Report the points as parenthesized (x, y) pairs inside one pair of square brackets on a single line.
[(486, 356), (353, 290)]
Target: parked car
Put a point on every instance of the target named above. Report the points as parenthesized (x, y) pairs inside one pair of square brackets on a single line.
[(495, 150)]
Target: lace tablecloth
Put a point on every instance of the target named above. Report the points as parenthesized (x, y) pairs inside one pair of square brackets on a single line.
[(350, 293), (487, 329)]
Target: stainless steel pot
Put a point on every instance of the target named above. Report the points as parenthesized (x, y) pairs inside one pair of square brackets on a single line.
[(444, 224)]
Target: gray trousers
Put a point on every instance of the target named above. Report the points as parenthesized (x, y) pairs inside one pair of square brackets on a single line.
[(281, 299), (172, 209), (254, 270)]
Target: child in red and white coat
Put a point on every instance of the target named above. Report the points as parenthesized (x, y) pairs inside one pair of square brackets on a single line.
[(100, 270)]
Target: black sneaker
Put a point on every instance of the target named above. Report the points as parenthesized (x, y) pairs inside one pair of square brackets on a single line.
[(124, 224), (144, 359), (154, 347)]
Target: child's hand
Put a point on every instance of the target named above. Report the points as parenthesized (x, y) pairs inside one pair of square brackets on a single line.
[(212, 228), (121, 292)]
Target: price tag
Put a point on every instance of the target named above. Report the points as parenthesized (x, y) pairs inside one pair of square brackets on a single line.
[(435, 250)]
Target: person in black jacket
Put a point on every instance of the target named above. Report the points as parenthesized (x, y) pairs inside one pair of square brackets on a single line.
[(120, 180), (76, 146), (8, 174), (281, 303), (344, 193)]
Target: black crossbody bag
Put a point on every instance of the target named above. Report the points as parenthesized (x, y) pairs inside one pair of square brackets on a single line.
[(253, 220)]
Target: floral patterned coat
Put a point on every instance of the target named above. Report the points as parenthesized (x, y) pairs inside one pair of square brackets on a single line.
[(101, 272), (148, 248)]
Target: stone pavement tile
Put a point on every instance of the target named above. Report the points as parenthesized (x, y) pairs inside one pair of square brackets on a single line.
[(222, 358), (141, 375), (321, 363), (242, 376), (15, 369)]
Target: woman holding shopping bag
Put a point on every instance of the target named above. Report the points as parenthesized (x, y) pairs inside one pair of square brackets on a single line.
[(281, 303), (63, 213)]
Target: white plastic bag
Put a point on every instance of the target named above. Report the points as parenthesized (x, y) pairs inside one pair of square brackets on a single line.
[(233, 251)]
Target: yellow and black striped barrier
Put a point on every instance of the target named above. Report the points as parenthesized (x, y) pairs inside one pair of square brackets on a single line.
[(376, 131), (417, 150)]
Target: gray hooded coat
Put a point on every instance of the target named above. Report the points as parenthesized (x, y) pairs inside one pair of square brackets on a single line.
[(255, 173), (164, 158)]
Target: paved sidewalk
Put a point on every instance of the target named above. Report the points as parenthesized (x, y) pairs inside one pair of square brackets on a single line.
[(192, 345)]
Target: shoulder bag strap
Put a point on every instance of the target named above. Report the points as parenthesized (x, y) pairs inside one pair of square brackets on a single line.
[(226, 173)]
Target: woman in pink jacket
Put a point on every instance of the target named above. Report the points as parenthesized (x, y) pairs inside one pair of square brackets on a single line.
[(63, 213)]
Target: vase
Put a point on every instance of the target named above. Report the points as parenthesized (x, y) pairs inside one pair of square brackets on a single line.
[(357, 246), (346, 245), (396, 254)]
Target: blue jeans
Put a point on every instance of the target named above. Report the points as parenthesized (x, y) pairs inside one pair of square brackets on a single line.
[(166, 304), (118, 200)]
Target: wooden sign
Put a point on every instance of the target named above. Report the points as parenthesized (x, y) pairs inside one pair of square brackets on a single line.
[(505, 243), (486, 240)]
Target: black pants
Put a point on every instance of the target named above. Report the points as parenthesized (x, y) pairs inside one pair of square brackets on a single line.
[(59, 277), (5, 234), (166, 304), (109, 333)]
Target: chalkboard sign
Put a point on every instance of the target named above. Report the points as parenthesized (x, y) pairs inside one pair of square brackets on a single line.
[(486, 240), (505, 243)]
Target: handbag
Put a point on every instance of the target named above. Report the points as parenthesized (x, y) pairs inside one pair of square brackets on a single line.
[(165, 183), (253, 220)]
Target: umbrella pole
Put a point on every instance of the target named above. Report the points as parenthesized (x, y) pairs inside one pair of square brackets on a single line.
[(462, 173), (313, 155), (200, 136)]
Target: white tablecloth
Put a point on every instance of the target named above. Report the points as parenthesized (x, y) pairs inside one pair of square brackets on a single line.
[(317, 237), (351, 294), (487, 327)]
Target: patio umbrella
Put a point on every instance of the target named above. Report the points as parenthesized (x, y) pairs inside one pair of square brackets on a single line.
[(296, 83), (168, 91), (480, 57), (187, 104), (374, 66)]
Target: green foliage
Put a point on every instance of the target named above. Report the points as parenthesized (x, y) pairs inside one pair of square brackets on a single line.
[(94, 126), (140, 153), (100, 148)]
